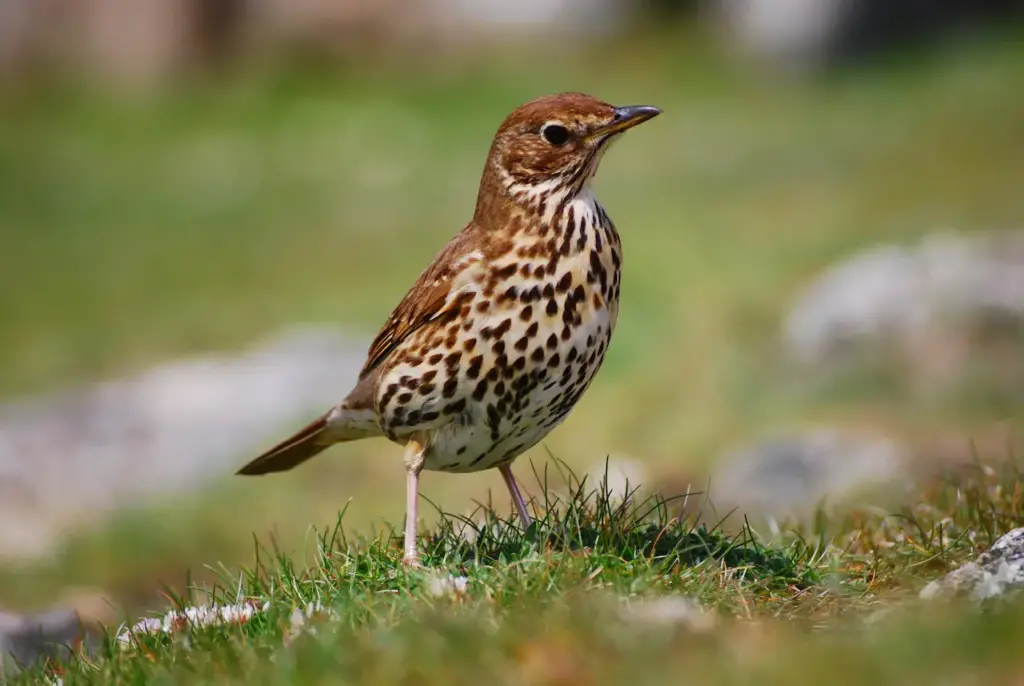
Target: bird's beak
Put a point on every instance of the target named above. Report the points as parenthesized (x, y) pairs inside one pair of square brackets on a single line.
[(625, 118)]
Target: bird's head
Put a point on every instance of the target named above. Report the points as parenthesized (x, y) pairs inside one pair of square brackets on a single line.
[(552, 145)]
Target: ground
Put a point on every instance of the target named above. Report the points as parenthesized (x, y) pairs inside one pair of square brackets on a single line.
[(599, 590)]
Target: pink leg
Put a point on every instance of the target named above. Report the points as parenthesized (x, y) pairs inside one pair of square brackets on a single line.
[(411, 556), (413, 466), (517, 499)]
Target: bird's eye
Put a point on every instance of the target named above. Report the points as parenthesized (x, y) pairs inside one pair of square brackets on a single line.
[(556, 134)]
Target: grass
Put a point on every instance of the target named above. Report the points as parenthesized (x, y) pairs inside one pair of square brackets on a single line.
[(593, 593)]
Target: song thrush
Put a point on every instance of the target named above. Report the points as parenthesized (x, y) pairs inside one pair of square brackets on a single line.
[(500, 336)]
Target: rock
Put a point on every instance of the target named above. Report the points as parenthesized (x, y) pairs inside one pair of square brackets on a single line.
[(998, 573), (69, 456), (73, 624), (669, 611), (789, 476), (28, 639), (908, 295)]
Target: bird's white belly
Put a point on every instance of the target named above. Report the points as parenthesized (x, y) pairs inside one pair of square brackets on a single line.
[(470, 443)]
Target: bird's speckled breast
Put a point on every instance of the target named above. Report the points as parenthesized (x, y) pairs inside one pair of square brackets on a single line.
[(532, 331)]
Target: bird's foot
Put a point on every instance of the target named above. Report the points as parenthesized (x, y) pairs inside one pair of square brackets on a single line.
[(412, 561)]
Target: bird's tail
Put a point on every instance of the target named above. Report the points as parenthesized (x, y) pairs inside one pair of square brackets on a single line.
[(337, 425)]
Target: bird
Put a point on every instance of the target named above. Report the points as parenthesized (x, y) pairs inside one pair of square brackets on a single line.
[(501, 334)]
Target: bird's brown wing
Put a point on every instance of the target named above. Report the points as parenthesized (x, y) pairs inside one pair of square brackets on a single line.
[(426, 300)]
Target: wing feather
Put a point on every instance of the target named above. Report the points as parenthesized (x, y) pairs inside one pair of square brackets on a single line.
[(427, 300)]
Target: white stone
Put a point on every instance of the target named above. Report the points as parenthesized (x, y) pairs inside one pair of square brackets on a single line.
[(69, 456), (997, 573), (902, 292)]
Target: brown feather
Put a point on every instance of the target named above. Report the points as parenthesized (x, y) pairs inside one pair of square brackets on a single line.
[(293, 451), (423, 302)]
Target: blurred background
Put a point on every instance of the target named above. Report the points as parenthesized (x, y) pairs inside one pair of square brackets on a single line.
[(207, 208)]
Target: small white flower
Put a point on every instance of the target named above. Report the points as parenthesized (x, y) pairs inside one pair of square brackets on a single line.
[(192, 616), (237, 614), (147, 625)]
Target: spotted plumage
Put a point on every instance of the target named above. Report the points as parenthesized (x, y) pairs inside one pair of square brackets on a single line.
[(503, 332)]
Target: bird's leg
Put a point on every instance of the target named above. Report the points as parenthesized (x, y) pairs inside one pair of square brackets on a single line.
[(414, 457), (517, 498), (411, 556)]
